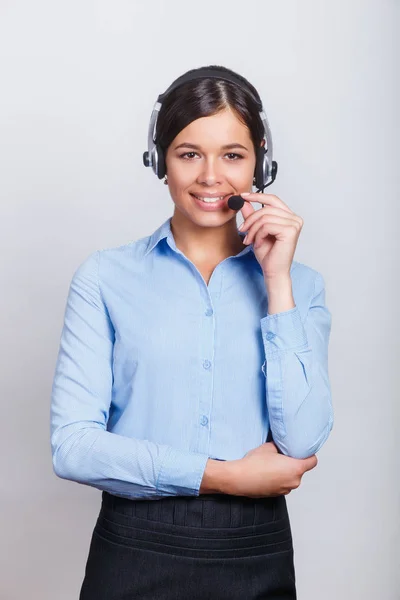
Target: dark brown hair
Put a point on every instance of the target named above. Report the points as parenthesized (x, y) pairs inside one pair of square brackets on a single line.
[(205, 97)]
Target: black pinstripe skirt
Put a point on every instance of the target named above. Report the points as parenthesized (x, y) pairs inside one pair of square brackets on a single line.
[(212, 546)]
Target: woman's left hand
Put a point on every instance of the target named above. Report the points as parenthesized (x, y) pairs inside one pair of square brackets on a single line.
[(274, 230)]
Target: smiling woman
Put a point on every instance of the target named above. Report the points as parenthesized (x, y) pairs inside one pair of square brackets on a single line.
[(199, 125), (176, 388)]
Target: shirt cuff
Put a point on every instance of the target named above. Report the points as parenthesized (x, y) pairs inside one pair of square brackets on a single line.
[(181, 473), (283, 331)]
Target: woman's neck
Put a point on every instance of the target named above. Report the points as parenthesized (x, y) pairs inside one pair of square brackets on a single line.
[(206, 245)]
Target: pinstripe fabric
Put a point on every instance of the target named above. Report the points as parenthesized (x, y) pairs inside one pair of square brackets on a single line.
[(157, 372)]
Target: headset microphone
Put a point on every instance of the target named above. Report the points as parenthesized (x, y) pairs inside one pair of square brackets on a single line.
[(235, 202)]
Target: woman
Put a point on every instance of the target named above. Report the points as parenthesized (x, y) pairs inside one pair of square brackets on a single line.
[(180, 353)]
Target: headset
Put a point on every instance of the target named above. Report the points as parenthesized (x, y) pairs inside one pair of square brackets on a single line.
[(265, 170)]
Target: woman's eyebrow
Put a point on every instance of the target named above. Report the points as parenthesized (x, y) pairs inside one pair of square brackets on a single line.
[(196, 147)]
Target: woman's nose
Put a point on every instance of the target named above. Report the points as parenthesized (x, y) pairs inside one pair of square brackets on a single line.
[(209, 175)]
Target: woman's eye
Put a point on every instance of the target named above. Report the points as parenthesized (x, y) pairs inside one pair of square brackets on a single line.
[(234, 154), (185, 154)]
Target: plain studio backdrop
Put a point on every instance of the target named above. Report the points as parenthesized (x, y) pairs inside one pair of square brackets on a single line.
[(78, 82)]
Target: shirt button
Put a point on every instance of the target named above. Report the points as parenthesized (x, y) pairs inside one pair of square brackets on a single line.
[(206, 364), (209, 312), (270, 335), (204, 420)]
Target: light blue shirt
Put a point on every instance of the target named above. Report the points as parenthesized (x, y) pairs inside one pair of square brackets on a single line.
[(158, 371)]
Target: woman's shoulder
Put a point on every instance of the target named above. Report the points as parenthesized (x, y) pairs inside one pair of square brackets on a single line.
[(137, 245), (306, 279), (108, 258), (302, 269), (130, 248)]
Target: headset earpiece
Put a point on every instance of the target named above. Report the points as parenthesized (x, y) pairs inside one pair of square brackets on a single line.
[(161, 167), (261, 170)]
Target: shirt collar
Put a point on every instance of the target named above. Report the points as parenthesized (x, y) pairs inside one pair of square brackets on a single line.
[(164, 231)]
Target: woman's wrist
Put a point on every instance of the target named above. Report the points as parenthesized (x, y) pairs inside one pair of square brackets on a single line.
[(217, 477)]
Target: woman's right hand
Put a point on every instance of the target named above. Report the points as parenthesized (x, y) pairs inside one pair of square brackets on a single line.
[(264, 472)]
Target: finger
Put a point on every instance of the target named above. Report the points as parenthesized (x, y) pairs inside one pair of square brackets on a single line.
[(246, 210), (272, 226), (309, 463), (265, 199), (271, 447), (269, 210)]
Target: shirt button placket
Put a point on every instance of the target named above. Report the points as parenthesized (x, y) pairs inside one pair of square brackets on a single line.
[(206, 389)]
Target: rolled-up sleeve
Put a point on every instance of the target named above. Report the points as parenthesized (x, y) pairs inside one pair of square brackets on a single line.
[(82, 449), (298, 390)]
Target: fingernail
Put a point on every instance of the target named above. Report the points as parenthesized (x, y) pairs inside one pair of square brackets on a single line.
[(244, 239), (245, 194), (241, 227)]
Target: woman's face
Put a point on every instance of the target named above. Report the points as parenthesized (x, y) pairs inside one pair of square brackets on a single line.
[(198, 164)]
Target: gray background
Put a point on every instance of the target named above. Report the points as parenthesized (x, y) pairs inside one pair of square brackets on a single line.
[(79, 80)]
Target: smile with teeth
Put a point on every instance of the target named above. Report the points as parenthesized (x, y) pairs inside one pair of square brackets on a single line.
[(209, 200)]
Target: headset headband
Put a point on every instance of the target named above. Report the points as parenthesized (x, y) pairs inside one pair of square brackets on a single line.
[(204, 73)]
